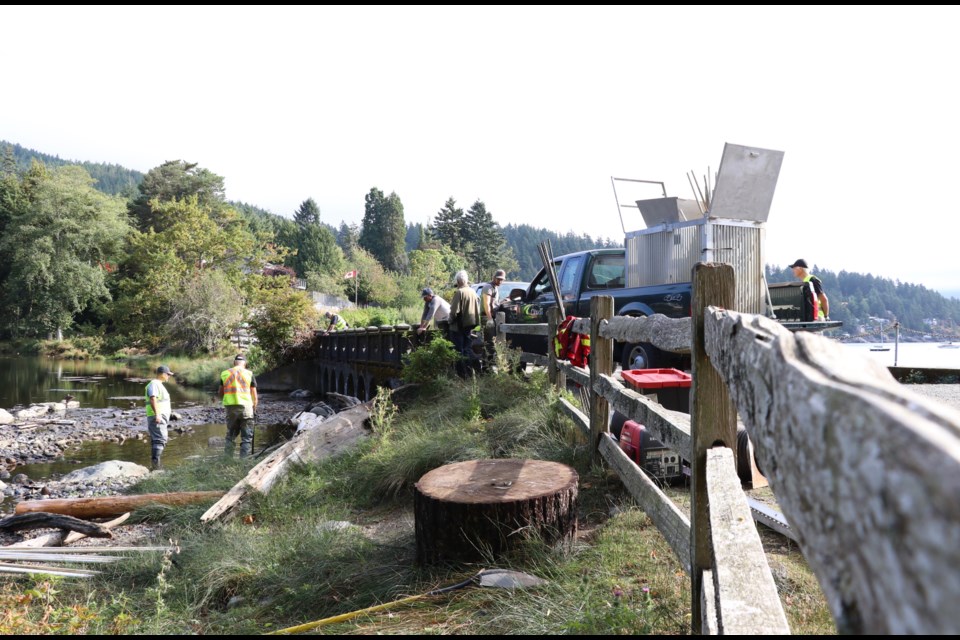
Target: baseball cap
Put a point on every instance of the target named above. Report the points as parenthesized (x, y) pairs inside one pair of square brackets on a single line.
[(427, 291), (800, 263), (240, 357), (164, 369)]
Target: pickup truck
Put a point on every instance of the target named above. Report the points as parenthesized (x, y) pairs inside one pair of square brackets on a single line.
[(585, 274)]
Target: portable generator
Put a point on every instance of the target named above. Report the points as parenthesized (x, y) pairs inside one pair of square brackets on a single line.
[(650, 455)]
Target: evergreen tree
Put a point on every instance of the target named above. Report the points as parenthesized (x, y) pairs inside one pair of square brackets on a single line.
[(383, 232), (176, 180), (307, 214), (448, 227), (486, 247), (348, 237)]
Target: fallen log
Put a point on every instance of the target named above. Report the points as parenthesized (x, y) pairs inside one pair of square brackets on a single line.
[(109, 506), (334, 435), (47, 520), (61, 537)]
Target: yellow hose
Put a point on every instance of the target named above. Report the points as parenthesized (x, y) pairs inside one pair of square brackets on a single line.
[(343, 616)]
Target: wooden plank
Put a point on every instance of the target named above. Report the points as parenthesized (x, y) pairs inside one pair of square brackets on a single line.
[(579, 375), (73, 550), (534, 359), (746, 595), (539, 329), (7, 567), (579, 417), (556, 376), (669, 334), (866, 472), (30, 556), (601, 363), (708, 606), (672, 428), (669, 520), (712, 418)]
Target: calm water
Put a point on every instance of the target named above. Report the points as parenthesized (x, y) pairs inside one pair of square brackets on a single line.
[(97, 384), (911, 354), (94, 384)]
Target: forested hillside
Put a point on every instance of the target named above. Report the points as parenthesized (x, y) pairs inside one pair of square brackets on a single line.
[(163, 261), (111, 179)]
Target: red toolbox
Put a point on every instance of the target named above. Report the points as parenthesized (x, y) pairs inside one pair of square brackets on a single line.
[(671, 386), (648, 453)]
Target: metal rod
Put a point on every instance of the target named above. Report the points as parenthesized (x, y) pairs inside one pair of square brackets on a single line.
[(695, 195)]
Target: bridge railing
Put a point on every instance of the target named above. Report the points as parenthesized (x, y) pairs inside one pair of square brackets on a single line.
[(866, 471)]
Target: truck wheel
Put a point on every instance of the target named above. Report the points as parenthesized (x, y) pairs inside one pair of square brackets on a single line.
[(642, 355)]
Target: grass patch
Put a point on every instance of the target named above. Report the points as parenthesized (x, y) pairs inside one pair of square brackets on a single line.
[(337, 536)]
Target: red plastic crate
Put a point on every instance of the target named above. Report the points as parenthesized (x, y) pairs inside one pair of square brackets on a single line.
[(643, 379)]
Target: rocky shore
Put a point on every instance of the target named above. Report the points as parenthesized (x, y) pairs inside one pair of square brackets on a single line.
[(44, 432)]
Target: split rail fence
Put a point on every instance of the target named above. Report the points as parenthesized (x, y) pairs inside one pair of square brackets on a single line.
[(866, 471)]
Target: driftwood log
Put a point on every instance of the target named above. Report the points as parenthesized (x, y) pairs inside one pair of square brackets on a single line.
[(61, 537), (467, 510), (40, 520), (109, 506), (334, 435)]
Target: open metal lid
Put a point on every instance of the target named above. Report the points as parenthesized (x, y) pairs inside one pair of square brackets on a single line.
[(657, 211), (745, 183)]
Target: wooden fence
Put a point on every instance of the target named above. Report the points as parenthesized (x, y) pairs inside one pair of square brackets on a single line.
[(866, 471)]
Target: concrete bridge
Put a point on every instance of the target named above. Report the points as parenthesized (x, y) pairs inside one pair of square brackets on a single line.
[(353, 362)]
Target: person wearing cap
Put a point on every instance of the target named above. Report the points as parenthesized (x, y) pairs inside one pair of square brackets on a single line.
[(238, 388), (490, 295), (158, 414), (336, 322), (821, 304), (434, 308), (489, 301)]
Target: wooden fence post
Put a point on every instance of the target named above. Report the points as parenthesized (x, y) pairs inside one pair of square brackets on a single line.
[(713, 420), (601, 363), (557, 377)]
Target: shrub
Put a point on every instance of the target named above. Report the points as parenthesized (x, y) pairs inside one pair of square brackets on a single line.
[(432, 361)]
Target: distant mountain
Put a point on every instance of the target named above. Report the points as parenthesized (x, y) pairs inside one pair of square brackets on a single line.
[(111, 178)]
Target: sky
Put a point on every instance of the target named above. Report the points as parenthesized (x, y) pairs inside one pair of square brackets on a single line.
[(531, 110)]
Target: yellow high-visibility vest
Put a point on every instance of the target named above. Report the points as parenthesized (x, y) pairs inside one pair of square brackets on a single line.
[(236, 387)]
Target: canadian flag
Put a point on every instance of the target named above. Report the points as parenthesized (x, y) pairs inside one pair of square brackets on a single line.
[(350, 274)]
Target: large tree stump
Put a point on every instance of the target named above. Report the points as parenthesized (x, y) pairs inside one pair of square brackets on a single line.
[(471, 510)]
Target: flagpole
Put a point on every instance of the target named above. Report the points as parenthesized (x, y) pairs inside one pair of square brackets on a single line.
[(356, 290)]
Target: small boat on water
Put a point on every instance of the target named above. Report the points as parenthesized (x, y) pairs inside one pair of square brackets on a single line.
[(881, 346), (950, 345)]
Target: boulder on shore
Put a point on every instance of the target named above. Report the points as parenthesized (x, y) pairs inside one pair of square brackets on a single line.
[(110, 470)]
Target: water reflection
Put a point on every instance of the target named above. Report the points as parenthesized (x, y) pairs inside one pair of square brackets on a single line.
[(93, 383), (179, 448)]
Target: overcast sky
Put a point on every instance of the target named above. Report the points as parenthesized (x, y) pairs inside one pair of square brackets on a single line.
[(529, 109)]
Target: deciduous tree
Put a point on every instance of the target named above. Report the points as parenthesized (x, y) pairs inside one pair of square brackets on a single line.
[(58, 244)]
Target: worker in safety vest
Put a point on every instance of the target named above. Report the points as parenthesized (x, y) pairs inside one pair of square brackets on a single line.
[(238, 388), (158, 414), (337, 323), (821, 305)]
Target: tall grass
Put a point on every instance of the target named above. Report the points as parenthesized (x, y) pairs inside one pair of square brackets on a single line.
[(319, 543)]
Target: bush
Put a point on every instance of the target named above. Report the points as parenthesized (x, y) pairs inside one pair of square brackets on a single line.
[(430, 362)]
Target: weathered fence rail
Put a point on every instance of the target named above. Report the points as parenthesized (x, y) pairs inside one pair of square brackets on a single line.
[(866, 472)]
